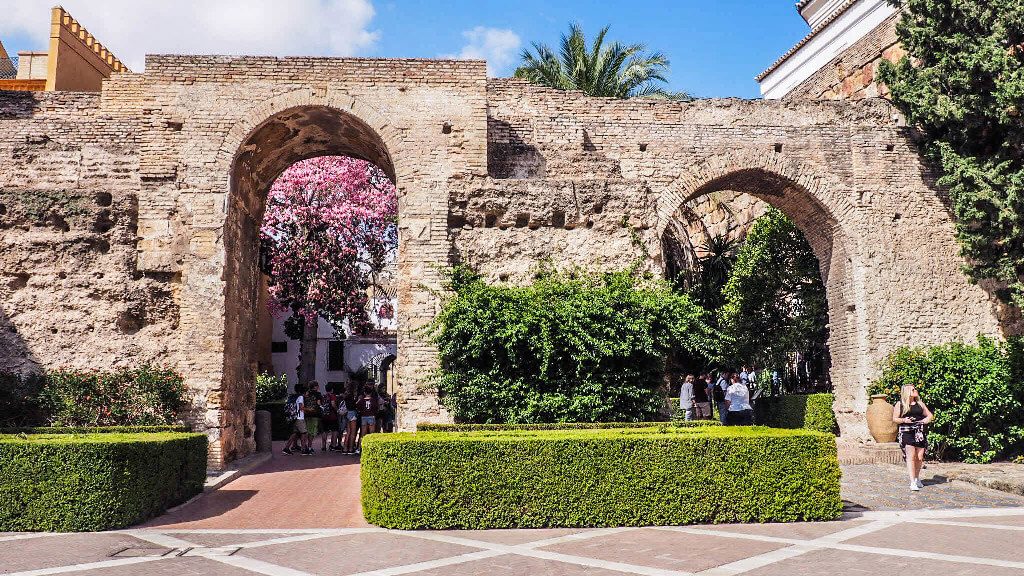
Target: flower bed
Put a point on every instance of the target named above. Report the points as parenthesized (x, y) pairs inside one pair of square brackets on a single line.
[(97, 481), (599, 477)]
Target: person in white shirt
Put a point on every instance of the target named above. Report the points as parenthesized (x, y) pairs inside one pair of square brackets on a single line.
[(737, 400), (686, 402)]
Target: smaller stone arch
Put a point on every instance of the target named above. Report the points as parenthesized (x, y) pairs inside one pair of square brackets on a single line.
[(817, 204)]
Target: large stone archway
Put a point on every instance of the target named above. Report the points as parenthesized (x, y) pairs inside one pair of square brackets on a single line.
[(157, 188)]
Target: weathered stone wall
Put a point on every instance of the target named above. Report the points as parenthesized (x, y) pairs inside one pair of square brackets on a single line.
[(853, 74), (70, 294), (499, 174)]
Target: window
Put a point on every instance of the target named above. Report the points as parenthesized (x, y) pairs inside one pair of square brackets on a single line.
[(335, 355), (278, 347)]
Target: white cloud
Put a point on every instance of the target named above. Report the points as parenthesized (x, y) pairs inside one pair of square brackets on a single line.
[(133, 28), (499, 46)]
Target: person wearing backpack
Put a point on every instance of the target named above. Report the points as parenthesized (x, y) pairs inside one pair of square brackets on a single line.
[(367, 406), (329, 413), (313, 415), (718, 394), (294, 412)]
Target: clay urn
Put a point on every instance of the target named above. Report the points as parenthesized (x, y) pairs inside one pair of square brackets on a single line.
[(880, 423)]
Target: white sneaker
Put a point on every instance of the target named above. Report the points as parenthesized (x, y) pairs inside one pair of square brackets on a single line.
[(919, 483), (913, 486)]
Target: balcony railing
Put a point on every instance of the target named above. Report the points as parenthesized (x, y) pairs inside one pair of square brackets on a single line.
[(8, 68)]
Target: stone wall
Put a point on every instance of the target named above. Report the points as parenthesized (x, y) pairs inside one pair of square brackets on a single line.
[(128, 230), (853, 74)]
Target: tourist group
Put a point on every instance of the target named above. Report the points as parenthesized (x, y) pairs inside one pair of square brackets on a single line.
[(339, 417)]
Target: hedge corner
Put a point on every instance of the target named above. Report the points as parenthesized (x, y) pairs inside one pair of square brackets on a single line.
[(98, 481)]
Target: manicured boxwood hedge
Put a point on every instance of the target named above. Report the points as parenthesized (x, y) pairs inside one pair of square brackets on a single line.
[(807, 411), (610, 477), (280, 428), (431, 427), (93, 429), (101, 481)]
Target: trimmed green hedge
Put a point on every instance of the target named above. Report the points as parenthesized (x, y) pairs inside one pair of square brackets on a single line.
[(432, 427), (85, 482), (280, 427), (614, 477), (94, 429), (807, 411)]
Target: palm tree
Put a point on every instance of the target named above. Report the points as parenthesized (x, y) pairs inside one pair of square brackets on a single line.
[(614, 70)]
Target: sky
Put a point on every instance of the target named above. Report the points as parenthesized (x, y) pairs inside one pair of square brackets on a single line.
[(715, 47)]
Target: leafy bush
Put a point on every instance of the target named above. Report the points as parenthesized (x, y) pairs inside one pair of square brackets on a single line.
[(569, 347), (280, 427), (19, 399), (271, 388), (93, 429), (140, 396), (807, 411), (431, 427), (66, 482), (615, 477), (975, 391)]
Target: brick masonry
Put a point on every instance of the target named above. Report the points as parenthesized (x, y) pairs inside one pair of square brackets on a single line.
[(129, 219)]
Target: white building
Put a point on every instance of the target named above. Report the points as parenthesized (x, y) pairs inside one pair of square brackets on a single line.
[(338, 357), (839, 57)]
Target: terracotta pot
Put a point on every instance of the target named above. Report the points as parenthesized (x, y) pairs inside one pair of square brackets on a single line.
[(880, 423)]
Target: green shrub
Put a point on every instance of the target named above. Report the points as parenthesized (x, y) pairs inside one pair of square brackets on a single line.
[(569, 347), (271, 388), (807, 411), (19, 399), (70, 482), (280, 427), (611, 477), (93, 429), (432, 427), (141, 396), (975, 391)]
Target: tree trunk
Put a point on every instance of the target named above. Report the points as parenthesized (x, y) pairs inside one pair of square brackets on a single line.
[(307, 352)]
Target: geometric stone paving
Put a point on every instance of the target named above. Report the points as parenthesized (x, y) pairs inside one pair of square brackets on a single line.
[(962, 542), (949, 527)]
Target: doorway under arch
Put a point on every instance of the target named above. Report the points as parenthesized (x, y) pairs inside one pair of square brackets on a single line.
[(817, 220), (280, 140)]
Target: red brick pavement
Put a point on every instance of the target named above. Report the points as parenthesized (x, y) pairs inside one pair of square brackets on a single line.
[(320, 491)]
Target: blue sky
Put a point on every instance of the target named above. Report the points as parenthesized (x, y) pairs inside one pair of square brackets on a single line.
[(716, 47)]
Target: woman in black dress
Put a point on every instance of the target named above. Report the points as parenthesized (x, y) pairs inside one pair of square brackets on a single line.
[(911, 414)]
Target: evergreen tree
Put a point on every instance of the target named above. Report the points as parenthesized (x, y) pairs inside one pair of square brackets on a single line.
[(774, 299), (963, 86)]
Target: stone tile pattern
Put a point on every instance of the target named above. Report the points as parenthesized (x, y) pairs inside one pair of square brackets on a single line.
[(958, 542), (496, 173)]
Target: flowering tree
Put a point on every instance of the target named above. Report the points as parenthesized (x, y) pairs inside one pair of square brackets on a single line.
[(329, 230)]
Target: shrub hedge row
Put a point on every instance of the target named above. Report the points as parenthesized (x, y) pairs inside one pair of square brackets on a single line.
[(100, 481), (807, 411), (432, 427), (610, 477), (94, 429)]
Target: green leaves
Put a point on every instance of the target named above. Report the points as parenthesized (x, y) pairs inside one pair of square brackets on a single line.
[(610, 477), (774, 300), (975, 391), (964, 88), (103, 481), (613, 69), (569, 347)]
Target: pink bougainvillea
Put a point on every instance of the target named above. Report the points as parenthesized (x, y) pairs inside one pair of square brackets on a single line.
[(329, 229)]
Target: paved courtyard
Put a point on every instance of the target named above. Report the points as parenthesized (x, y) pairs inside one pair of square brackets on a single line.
[(294, 516)]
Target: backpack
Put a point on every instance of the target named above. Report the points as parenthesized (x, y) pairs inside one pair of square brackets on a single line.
[(291, 408), (326, 408), (718, 393)]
